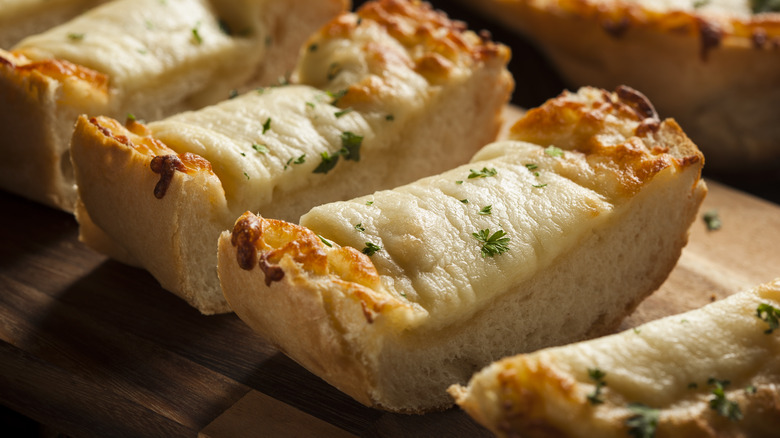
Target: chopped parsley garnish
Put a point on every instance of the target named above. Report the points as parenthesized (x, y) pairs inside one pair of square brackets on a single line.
[(553, 151), (293, 160), (712, 220), (76, 36), (260, 148), (313, 47), (750, 389), (342, 112), (693, 385), (492, 245), (369, 202), (196, 38), (224, 27), (131, 117), (486, 210), (260, 90), (484, 173), (389, 117), (350, 145), (531, 166), (597, 376), (328, 162), (247, 176), (310, 104), (335, 97), (242, 154), (465, 201), (459, 182), (643, 422), (267, 125), (360, 227), (539, 186), (325, 241), (770, 315), (233, 94), (720, 403), (700, 3), (759, 6), (350, 150), (370, 249)]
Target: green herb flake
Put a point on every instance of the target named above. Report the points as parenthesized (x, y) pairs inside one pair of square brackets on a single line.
[(328, 162), (539, 186), (293, 160), (76, 36), (325, 241), (350, 145), (196, 38), (720, 404), (750, 390), (233, 94), (459, 182), (342, 112), (260, 148), (369, 202), (313, 47), (335, 97), (492, 245), (553, 151), (770, 315), (247, 176), (360, 227), (693, 385), (242, 154), (465, 201), (484, 173), (310, 104), (389, 117), (643, 422), (486, 210), (266, 125), (131, 117), (700, 3), (712, 220), (370, 249), (597, 376), (531, 166)]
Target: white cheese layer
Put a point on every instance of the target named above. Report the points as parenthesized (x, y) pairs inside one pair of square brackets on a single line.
[(429, 254), (657, 363), (266, 140), (158, 49), (737, 8)]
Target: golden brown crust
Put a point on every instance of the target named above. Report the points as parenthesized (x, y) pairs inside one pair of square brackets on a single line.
[(56, 69)]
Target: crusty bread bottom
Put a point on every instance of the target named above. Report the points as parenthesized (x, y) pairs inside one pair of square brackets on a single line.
[(588, 290)]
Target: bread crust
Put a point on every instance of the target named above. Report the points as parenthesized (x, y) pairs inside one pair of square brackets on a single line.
[(384, 94), (713, 70), (45, 83), (544, 394), (396, 349)]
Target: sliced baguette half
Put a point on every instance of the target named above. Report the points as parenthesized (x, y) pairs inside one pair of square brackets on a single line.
[(710, 372), (384, 96), (549, 237), (142, 58)]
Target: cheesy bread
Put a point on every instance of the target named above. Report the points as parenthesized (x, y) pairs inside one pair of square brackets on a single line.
[(549, 237)]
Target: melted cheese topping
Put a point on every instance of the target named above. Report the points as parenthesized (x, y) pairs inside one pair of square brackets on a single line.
[(145, 45), (655, 364), (265, 140), (429, 255)]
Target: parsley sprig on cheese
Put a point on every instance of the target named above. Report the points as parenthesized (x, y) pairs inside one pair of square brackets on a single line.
[(492, 245), (770, 315)]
